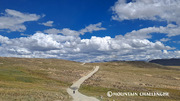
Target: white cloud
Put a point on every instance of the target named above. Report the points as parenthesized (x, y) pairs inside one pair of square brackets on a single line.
[(48, 23), (159, 10), (170, 30), (89, 50), (91, 28), (64, 31), (147, 10), (66, 44), (69, 32), (14, 20), (164, 39), (52, 31)]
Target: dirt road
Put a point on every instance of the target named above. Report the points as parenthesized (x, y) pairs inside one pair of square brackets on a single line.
[(73, 90)]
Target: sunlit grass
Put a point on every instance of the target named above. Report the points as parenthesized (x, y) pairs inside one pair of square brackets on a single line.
[(24, 79), (133, 77)]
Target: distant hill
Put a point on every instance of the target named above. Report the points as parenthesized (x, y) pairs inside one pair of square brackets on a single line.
[(166, 62)]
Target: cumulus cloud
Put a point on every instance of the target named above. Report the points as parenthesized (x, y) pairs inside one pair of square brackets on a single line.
[(42, 45), (13, 20), (167, 10), (158, 10), (145, 33), (66, 44), (48, 23), (69, 32)]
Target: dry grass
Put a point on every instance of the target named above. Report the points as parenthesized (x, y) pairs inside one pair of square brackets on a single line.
[(133, 77), (24, 79)]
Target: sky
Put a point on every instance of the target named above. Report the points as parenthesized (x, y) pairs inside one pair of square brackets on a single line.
[(90, 30)]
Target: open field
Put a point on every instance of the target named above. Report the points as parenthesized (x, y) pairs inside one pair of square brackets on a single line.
[(23, 79), (133, 77)]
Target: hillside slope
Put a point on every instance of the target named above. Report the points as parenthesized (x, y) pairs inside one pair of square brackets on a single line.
[(25, 79), (133, 76)]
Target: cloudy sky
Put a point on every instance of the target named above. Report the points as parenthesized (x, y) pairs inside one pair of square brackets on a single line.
[(90, 30)]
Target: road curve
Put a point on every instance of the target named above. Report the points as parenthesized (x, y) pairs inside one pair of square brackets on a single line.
[(77, 96)]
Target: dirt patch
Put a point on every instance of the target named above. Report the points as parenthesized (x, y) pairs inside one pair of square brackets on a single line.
[(149, 75)]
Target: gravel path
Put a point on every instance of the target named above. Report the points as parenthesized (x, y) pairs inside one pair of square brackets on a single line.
[(73, 90)]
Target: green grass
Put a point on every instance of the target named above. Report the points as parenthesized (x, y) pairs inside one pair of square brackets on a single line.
[(25, 79), (18, 75), (21, 84)]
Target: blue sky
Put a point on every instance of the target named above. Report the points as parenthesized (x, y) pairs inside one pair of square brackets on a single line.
[(90, 30)]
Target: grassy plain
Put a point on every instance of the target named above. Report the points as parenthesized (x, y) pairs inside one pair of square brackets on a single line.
[(26, 79), (133, 76)]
